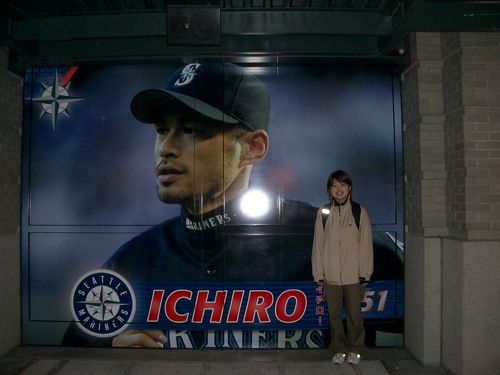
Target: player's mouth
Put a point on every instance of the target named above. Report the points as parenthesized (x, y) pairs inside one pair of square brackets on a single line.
[(168, 174)]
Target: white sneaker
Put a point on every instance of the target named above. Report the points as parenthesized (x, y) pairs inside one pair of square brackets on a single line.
[(353, 358), (338, 358)]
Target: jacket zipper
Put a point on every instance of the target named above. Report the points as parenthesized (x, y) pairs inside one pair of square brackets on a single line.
[(340, 251)]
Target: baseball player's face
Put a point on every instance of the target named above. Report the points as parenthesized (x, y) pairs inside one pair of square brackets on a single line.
[(340, 191), (197, 160)]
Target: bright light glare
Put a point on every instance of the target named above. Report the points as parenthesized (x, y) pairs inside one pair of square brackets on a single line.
[(254, 203), (325, 211)]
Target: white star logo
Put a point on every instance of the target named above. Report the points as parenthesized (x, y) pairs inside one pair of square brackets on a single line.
[(55, 100), (102, 303)]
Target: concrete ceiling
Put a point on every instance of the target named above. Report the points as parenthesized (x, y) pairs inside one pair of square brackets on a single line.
[(53, 32)]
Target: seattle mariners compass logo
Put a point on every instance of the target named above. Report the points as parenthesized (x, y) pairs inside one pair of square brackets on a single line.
[(102, 303), (56, 98)]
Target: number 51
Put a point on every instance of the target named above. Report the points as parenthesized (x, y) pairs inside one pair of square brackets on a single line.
[(369, 297)]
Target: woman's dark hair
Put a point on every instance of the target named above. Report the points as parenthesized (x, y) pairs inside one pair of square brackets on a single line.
[(341, 176)]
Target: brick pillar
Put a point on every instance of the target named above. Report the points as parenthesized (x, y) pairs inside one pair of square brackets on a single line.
[(10, 203), (472, 103), (425, 191), (471, 253), (451, 114)]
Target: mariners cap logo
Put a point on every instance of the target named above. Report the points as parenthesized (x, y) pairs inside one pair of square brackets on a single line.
[(221, 91), (186, 75), (102, 303)]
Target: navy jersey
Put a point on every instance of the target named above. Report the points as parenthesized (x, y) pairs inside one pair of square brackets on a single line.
[(225, 245)]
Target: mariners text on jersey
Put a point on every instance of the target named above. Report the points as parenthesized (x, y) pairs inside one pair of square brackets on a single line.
[(208, 223)]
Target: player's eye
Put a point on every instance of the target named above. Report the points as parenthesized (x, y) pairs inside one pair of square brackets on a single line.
[(189, 130), (195, 129), (161, 130)]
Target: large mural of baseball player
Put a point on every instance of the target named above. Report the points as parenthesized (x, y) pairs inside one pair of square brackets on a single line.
[(229, 264)]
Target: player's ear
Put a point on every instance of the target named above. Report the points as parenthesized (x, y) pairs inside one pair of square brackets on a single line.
[(254, 147)]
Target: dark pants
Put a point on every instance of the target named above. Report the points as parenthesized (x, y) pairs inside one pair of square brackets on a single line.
[(352, 295)]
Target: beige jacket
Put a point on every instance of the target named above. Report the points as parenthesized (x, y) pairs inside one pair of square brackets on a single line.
[(341, 253)]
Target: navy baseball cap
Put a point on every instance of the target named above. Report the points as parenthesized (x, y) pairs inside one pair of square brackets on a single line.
[(221, 91)]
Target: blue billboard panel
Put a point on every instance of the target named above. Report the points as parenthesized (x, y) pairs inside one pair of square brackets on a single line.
[(140, 217)]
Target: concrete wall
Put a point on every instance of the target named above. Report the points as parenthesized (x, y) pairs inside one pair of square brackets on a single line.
[(471, 325), (423, 298), (451, 115), (10, 203)]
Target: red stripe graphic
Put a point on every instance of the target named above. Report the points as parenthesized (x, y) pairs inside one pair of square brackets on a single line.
[(67, 77)]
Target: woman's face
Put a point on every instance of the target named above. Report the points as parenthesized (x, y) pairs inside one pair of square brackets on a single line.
[(340, 191)]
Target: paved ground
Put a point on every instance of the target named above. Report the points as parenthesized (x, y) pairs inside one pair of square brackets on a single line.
[(81, 361)]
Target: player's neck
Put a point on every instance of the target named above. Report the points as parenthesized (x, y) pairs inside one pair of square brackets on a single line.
[(239, 185)]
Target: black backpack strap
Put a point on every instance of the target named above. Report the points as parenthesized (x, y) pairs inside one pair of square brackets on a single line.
[(356, 212)]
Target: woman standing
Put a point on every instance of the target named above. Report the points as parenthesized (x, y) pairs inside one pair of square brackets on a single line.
[(342, 261)]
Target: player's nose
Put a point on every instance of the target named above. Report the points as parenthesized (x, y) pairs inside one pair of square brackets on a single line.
[(169, 145)]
